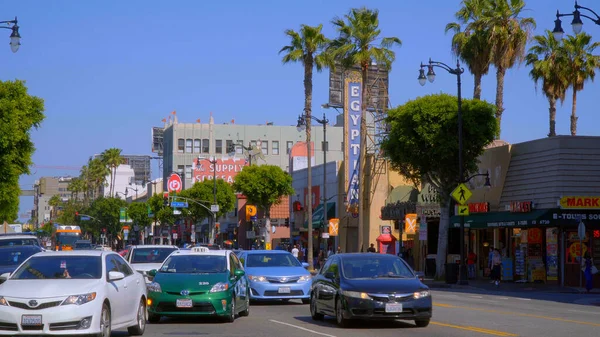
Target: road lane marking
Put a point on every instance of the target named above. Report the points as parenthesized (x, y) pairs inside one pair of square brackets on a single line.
[(477, 296), (301, 328), (476, 329), (585, 312), (557, 319), (523, 299)]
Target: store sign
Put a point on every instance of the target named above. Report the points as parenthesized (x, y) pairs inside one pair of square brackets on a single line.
[(410, 223), (429, 211), (385, 229), (226, 169), (479, 207), (580, 202), (576, 216), (392, 212), (353, 113), (521, 206)]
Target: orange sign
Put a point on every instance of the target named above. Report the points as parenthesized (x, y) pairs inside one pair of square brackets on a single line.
[(410, 223), (574, 251), (250, 211), (580, 202), (334, 225)]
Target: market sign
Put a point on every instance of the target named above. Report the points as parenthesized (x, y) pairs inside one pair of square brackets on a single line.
[(521, 206), (479, 207), (580, 202), (226, 168)]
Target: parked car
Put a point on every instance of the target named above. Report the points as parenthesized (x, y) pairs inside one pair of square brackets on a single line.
[(73, 293), (12, 256), (276, 275), (148, 257), (369, 286), (19, 239)]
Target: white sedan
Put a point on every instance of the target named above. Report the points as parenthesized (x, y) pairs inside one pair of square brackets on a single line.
[(148, 257), (73, 293)]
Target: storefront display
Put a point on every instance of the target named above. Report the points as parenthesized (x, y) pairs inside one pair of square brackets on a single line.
[(552, 254), (535, 257)]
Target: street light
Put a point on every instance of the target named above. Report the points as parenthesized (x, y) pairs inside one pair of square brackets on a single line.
[(577, 24), (301, 126), (214, 163), (133, 189), (15, 37), (232, 151)]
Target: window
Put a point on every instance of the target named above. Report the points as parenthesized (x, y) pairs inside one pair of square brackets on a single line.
[(77, 267), (373, 265), (188, 171), (264, 145), (252, 143), (325, 266), (123, 267), (180, 169), (229, 145), (180, 145), (194, 264), (151, 255), (196, 145), (188, 146), (111, 264), (232, 266), (219, 146), (275, 147), (288, 147), (205, 145), (272, 260)]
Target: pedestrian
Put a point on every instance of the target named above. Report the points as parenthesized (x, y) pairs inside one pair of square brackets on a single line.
[(372, 249), (339, 250), (295, 251), (587, 265), (490, 264), (497, 267), (471, 259)]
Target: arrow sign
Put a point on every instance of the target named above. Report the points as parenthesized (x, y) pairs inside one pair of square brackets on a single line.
[(463, 210)]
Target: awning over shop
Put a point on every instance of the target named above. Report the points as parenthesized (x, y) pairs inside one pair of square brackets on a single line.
[(317, 218), (535, 218), (386, 238)]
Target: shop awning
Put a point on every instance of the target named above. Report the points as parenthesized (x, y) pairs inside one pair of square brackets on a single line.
[(535, 218), (386, 238), (317, 218)]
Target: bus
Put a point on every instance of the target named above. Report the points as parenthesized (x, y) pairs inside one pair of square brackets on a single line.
[(64, 237)]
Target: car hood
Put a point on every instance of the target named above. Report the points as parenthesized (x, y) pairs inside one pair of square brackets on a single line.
[(276, 271), (47, 288), (146, 266), (173, 282), (384, 285)]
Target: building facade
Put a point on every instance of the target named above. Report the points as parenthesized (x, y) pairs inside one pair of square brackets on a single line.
[(44, 189)]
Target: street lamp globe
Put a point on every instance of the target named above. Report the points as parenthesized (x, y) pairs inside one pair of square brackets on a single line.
[(301, 126), (431, 75), (577, 24), (422, 78), (15, 39)]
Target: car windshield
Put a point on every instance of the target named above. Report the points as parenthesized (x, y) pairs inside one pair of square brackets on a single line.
[(151, 255), (67, 238), (15, 256), (272, 260), (19, 242), (373, 266), (194, 264), (60, 267)]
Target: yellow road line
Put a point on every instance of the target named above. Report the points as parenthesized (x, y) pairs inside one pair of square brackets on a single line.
[(557, 319), (476, 329)]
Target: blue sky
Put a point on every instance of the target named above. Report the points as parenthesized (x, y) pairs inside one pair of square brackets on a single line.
[(110, 70)]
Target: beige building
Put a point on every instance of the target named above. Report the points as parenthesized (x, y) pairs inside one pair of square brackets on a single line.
[(44, 189)]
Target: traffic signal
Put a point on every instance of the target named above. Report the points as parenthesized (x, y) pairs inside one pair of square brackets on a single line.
[(166, 200), (103, 230), (217, 227), (76, 215)]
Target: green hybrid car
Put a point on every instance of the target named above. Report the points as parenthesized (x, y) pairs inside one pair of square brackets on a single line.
[(199, 282)]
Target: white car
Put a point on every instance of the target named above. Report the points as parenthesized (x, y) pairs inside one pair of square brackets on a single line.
[(73, 293), (148, 257)]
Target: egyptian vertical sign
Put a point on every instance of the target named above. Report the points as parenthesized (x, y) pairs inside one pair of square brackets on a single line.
[(352, 114)]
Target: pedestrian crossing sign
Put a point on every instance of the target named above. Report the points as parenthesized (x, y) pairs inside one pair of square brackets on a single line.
[(461, 194)]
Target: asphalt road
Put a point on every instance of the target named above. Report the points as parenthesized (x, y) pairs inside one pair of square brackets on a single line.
[(455, 314)]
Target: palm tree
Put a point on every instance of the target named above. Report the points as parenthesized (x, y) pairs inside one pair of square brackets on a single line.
[(549, 65), (582, 65), (509, 33), (470, 42), (76, 187), (306, 47), (112, 159), (55, 202), (97, 172), (356, 45)]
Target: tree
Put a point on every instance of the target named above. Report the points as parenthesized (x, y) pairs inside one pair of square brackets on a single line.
[(582, 65), (112, 159), (548, 65), (202, 192), (19, 113), (106, 211), (162, 214), (68, 213), (307, 47), (423, 144), (138, 213), (356, 45), (470, 42), (264, 186), (76, 186)]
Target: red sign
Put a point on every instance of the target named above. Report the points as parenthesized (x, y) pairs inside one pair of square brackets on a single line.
[(596, 234), (479, 207), (226, 169), (174, 183), (521, 206), (316, 196)]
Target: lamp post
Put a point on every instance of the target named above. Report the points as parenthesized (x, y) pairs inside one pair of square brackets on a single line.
[(303, 120), (577, 23), (233, 147), (211, 235), (131, 188), (15, 37)]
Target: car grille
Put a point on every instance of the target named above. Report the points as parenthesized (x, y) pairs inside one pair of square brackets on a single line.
[(193, 293), (204, 307), (392, 297), (283, 280), (32, 328), (39, 307), (275, 293), (65, 326), (8, 327)]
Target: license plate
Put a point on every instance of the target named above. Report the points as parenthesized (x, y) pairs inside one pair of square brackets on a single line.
[(31, 320), (184, 303), (393, 307), (284, 290)]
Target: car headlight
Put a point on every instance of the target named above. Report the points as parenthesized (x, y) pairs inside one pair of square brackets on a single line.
[(154, 287), (221, 286), (422, 294), (356, 294), (79, 299), (3, 301), (305, 278), (257, 278)]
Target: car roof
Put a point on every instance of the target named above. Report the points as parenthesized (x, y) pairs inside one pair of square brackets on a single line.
[(152, 246), (77, 253), (17, 236), (266, 251)]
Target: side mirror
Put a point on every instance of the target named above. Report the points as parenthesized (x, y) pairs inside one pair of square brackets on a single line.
[(152, 273), (305, 265), (115, 276), (329, 275), (239, 273), (4, 277)]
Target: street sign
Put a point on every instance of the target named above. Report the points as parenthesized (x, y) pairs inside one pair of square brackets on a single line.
[(463, 210), (461, 194), (176, 212), (581, 231), (84, 218), (214, 208), (179, 204), (334, 225), (174, 183)]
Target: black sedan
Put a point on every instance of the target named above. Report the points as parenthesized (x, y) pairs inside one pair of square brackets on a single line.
[(12, 256), (369, 286)]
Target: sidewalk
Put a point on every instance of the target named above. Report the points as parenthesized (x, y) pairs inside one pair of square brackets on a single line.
[(486, 285)]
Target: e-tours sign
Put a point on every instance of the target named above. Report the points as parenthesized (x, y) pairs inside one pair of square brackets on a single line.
[(352, 109), (226, 168)]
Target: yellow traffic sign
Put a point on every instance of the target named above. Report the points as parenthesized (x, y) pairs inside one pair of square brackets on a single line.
[(463, 210), (334, 225), (461, 194)]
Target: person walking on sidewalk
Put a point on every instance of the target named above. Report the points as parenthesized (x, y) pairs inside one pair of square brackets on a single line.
[(497, 267), (587, 272), (471, 259)]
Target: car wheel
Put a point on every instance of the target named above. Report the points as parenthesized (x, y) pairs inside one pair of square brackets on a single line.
[(314, 314), (231, 317), (422, 323), (246, 311), (305, 300), (339, 314), (105, 322), (153, 318), (140, 326)]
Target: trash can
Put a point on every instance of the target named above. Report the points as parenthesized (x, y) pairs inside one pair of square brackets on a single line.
[(451, 273)]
